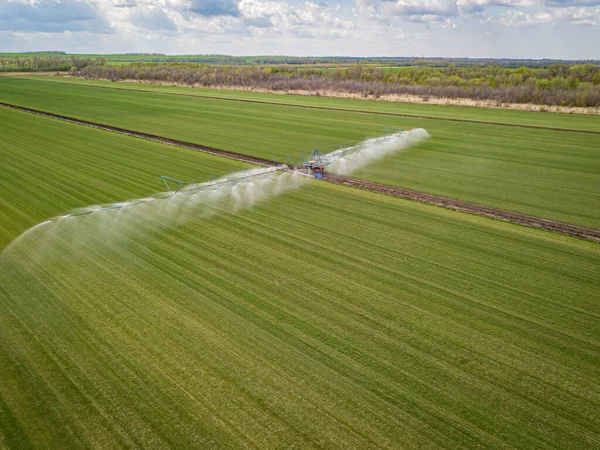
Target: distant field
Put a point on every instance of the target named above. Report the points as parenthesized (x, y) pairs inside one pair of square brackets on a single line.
[(570, 121), (48, 167), (328, 317), (539, 172), (110, 56), (219, 59)]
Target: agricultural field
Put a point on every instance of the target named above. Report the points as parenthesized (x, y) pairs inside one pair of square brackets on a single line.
[(80, 167), (324, 317), (528, 118), (541, 172), (237, 60)]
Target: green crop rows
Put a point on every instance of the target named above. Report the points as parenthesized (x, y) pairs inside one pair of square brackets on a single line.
[(48, 167), (528, 118), (324, 317), (543, 173)]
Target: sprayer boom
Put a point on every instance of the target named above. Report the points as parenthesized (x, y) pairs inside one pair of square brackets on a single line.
[(316, 163), (348, 157)]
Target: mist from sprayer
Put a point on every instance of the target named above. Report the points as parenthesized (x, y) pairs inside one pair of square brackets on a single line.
[(376, 148), (117, 224)]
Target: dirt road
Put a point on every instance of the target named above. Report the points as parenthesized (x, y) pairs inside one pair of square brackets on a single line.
[(472, 208)]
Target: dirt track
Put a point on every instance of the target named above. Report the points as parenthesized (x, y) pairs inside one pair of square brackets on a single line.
[(472, 208), (151, 137), (445, 202)]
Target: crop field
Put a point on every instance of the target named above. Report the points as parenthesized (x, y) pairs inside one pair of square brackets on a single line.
[(48, 167), (552, 120), (541, 172), (325, 317), (132, 58)]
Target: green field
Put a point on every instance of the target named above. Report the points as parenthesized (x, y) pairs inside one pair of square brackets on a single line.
[(529, 118), (72, 166), (544, 173), (117, 63), (296, 62), (121, 56), (326, 317)]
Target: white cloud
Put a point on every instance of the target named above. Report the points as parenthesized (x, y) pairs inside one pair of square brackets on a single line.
[(431, 13), (258, 22), (433, 9), (52, 16), (570, 3), (152, 18), (382, 27), (454, 13), (519, 19), (122, 3), (506, 3), (587, 16), (443, 8), (214, 8), (309, 19)]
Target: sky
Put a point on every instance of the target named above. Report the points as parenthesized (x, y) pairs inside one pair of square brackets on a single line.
[(558, 29)]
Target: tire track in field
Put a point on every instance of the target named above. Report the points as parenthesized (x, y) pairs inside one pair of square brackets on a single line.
[(445, 202), (329, 108), (150, 137), (472, 208)]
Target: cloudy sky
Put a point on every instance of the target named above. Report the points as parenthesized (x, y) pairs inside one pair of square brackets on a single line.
[(567, 29)]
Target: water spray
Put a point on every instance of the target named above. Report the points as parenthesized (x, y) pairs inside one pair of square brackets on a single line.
[(246, 188)]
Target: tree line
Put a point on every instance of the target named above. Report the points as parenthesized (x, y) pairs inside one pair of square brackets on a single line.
[(557, 84), (46, 52), (47, 63)]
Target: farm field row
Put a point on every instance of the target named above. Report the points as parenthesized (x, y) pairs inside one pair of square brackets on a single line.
[(550, 120), (324, 317), (543, 173), (48, 167)]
